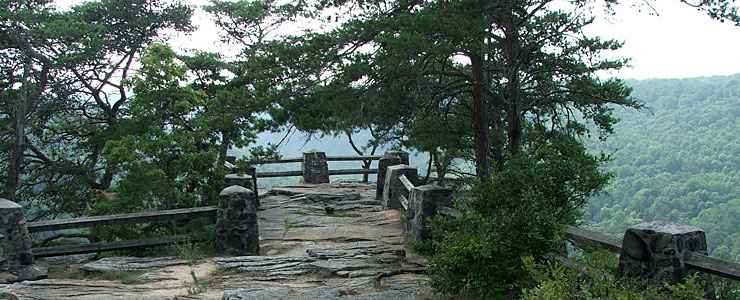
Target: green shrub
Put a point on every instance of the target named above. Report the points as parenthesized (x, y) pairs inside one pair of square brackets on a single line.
[(592, 277), (520, 212)]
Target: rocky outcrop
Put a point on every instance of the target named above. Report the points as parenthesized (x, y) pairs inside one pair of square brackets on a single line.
[(354, 252), (123, 264), (81, 290)]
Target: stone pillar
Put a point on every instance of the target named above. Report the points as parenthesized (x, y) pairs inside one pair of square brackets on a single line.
[(390, 158), (315, 168), (424, 201), (393, 187), (237, 231), (244, 180), (657, 251), (16, 258), (404, 156)]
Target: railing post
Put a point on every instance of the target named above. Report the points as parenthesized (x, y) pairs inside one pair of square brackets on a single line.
[(424, 201), (237, 231), (657, 251), (390, 158), (16, 258), (393, 186), (315, 168), (248, 179)]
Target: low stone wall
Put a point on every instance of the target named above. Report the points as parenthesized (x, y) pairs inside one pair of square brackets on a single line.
[(424, 202)]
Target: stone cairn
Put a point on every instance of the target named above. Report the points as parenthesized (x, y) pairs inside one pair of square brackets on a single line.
[(16, 258), (315, 168), (237, 231)]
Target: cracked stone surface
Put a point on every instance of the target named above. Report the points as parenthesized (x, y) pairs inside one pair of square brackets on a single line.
[(120, 264), (352, 251)]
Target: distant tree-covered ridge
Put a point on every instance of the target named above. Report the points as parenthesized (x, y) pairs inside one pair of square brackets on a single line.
[(678, 161)]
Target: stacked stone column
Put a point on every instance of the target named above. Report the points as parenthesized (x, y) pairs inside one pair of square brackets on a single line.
[(393, 188), (424, 202), (247, 180), (315, 168), (16, 258), (658, 251), (390, 158), (237, 230)]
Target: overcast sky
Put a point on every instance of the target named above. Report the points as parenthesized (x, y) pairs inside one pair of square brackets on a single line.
[(680, 42)]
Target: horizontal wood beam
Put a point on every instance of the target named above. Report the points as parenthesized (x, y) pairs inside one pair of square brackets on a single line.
[(328, 158), (353, 171), (696, 261), (111, 246), (142, 217), (580, 235), (714, 266), (279, 174), (278, 161), (354, 158)]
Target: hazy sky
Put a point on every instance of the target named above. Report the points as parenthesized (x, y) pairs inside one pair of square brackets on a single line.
[(679, 42)]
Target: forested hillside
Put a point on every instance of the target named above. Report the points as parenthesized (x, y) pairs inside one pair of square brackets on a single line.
[(678, 160)]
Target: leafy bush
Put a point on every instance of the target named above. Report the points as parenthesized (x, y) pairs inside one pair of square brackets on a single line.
[(592, 277), (520, 212)]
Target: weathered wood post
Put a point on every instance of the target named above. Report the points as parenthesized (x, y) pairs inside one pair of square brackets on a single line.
[(237, 231), (16, 258), (315, 168), (424, 203), (657, 251), (393, 187), (390, 158)]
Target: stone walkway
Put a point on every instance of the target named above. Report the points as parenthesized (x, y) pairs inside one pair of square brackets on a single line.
[(330, 241)]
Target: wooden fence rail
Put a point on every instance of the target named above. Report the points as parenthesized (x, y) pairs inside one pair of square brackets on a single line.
[(695, 261), (580, 236), (168, 215), (142, 217)]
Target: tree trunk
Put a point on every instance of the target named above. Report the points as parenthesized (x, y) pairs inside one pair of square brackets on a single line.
[(16, 157), (512, 47), (514, 116), (480, 119)]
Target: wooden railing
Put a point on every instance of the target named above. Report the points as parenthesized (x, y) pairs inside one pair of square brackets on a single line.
[(208, 212), (407, 186), (695, 261), (143, 217), (272, 174)]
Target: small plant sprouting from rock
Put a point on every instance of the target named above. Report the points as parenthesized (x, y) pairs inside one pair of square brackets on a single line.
[(197, 286), (288, 224)]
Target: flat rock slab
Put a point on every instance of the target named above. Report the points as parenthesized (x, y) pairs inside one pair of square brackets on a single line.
[(121, 264), (81, 289), (352, 251)]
